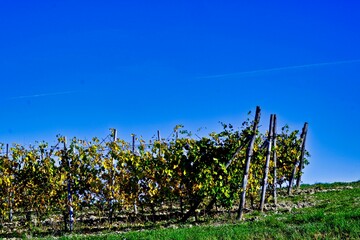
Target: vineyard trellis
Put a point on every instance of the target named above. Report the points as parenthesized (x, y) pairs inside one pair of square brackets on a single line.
[(173, 179)]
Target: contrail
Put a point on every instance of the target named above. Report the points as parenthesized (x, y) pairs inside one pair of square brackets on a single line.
[(281, 68), (43, 95)]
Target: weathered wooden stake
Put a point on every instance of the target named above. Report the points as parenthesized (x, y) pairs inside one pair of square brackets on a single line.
[(133, 152), (298, 181), (114, 135), (249, 154), (296, 164), (10, 191), (267, 161), (7, 150), (133, 144), (275, 161), (111, 210), (159, 139), (71, 212), (11, 196), (180, 197)]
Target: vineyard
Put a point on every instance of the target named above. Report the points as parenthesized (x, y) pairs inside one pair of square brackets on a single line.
[(78, 185)]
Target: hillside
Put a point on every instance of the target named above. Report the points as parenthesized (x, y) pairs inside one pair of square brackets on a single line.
[(320, 211)]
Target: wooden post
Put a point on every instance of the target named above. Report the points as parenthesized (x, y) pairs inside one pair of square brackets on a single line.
[(267, 161), (133, 143), (71, 212), (158, 135), (7, 150), (181, 187), (296, 164), (159, 139), (298, 180), (111, 210), (10, 197), (133, 152), (114, 135), (249, 154), (275, 160)]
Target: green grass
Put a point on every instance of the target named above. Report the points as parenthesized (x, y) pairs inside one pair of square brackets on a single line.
[(335, 214)]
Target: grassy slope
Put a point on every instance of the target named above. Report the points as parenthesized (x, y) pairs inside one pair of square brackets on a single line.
[(334, 213)]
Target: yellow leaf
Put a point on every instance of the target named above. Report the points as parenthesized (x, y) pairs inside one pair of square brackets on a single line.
[(52, 193), (7, 181)]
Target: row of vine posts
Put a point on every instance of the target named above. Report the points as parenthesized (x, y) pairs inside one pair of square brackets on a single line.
[(198, 198)]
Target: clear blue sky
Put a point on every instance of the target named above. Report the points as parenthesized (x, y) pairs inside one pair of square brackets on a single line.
[(79, 68)]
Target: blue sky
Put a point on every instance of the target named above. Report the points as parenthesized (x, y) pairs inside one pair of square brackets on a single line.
[(79, 68)]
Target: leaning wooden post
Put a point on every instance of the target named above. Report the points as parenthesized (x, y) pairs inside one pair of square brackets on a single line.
[(249, 153), (267, 161), (275, 161), (296, 164), (298, 180)]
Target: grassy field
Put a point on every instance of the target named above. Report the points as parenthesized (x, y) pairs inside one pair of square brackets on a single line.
[(320, 211)]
